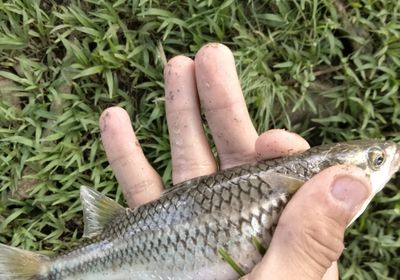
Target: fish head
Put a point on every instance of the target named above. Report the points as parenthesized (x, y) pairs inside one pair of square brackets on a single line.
[(383, 162), (379, 159)]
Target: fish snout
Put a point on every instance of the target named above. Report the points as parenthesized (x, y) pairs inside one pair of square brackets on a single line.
[(396, 160)]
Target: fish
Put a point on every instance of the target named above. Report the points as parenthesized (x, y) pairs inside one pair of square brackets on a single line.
[(200, 227)]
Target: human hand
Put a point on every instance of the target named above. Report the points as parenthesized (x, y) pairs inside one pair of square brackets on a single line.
[(309, 236)]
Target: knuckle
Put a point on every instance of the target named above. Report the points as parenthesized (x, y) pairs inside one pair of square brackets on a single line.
[(140, 187), (141, 192), (121, 160), (189, 169), (321, 247), (321, 241), (315, 243), (232, 159)]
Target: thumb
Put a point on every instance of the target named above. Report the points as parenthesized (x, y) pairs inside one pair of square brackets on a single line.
[(309, 235)]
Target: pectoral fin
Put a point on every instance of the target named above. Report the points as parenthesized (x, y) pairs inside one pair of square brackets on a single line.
[(288, 183), (98, 211)]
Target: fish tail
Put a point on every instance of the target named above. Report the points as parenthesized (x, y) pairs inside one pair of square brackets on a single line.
[(19, 264)]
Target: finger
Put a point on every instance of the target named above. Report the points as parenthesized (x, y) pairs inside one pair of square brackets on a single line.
[(222, 101), (191, 154), (140, 183), (332, 273), (309, 235), (278, 143)]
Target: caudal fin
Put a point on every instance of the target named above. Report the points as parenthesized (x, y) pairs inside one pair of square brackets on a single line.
[(17, 264)]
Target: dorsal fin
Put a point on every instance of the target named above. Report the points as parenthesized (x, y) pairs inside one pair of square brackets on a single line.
[(98, 211)]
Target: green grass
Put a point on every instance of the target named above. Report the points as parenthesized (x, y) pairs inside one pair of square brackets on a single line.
[(328, 70)]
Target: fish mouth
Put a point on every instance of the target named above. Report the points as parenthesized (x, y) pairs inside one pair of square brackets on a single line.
[(395, 166)]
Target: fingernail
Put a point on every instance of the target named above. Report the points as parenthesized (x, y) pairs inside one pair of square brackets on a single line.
[(349, 190)]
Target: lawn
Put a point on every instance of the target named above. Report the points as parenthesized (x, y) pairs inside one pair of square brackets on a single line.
[(328, 70)]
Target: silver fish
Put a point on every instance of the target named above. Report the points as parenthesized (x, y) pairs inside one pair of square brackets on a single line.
[(183, 234)]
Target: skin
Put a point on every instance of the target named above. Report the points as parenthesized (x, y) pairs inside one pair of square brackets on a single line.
[(309, 236)]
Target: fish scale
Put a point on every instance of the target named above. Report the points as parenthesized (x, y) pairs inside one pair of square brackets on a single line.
[(180, 236)]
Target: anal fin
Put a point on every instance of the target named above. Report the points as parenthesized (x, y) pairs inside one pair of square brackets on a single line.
[(98, 211)]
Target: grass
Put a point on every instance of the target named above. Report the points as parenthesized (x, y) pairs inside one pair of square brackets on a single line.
[(326, 69)]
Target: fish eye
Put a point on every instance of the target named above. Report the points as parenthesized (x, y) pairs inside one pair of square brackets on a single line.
[(376, 157)]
